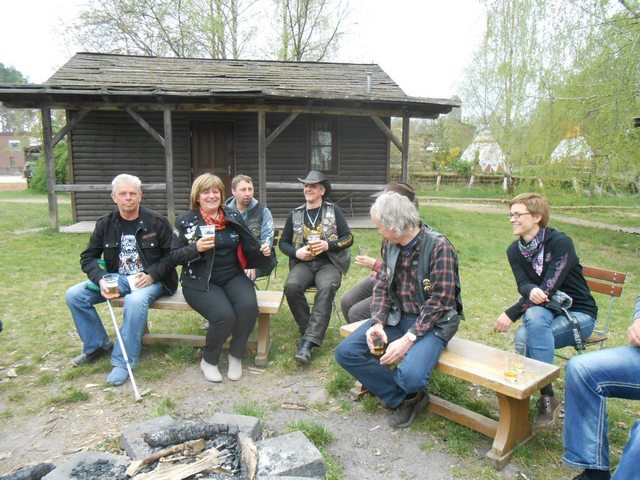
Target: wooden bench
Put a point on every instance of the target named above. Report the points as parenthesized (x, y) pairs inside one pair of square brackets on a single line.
[(269, 302), (483, 365)]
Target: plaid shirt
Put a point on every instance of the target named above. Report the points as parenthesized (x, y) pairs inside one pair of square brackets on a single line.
[(441, 273)]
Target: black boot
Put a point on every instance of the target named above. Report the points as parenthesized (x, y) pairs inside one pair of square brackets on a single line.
[(304, 352)]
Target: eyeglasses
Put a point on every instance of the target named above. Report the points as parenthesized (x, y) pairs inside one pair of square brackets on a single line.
[(516, 215)]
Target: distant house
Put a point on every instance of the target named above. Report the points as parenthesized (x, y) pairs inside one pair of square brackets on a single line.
[(11, 153), (169, 119), (485, 152)]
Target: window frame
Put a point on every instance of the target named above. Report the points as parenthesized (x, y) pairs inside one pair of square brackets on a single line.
[(333, 126)]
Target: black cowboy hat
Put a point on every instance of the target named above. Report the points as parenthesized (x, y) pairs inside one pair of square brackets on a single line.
[(314, 176)]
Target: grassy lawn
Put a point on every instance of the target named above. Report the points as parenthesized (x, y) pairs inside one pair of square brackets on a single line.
[(39, 338)]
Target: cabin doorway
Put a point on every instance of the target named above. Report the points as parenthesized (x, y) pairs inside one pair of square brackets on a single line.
[(212, 151)]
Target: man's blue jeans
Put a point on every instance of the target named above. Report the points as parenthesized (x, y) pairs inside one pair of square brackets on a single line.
[(391, 385), (589, 380), (542, 331), (91, 330)]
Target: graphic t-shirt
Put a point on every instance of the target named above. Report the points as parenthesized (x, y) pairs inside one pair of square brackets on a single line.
[(129, 262)]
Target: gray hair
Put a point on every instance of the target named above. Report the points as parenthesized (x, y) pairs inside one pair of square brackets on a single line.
[(396, 212), (126, 178)]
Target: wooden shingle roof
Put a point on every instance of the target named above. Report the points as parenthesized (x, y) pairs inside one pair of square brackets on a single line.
[(96, 77)]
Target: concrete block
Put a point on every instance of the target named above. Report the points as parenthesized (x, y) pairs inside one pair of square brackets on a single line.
[(132, 438), (291, 455), (250, 426), (103, 466)]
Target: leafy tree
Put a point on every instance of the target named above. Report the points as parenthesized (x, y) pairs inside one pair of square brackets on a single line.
[(38, 182), (15, 120)]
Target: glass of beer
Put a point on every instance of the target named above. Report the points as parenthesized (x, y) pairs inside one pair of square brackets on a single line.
[(208, 230), (520, 351), (311, 240), (111, 282), (378, 346), (510, 367)]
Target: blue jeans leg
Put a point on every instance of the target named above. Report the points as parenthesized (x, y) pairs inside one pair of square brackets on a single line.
[(589, 380), (390, 386), (543, 331), (136, 308), (628, 466), (88, 324)]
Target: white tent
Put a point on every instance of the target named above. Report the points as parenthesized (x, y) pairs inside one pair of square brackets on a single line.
[(486, 151), (573, 148)]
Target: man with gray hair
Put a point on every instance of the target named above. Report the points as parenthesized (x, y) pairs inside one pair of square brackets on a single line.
[(415, 310), (135, 243)]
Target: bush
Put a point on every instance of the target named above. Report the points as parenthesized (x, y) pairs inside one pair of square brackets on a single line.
[(38, 182)]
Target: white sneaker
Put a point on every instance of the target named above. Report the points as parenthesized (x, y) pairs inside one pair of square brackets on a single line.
[(235, 368), (210, 372)]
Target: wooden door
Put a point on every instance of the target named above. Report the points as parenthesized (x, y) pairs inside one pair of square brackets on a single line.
[(212, 151)]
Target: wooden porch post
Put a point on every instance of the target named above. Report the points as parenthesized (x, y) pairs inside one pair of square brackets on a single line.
[(406, 122), (168, 157), (262, 157), (50, 166)]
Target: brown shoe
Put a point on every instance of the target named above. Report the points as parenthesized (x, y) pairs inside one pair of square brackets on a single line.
[(548, 410), (404, 415)]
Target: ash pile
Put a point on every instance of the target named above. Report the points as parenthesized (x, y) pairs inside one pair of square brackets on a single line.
[(225, 447)]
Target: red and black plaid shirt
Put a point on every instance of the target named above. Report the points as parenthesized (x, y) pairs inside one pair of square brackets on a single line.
[(438, 301)]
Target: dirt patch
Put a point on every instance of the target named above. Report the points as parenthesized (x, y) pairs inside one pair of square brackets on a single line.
[(363, 444)]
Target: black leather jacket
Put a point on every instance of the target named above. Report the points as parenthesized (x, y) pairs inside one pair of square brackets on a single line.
[(196, 266), (153, 239)]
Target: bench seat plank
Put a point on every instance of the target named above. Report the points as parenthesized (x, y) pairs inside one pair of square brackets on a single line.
[(483, 365), (269, 302)]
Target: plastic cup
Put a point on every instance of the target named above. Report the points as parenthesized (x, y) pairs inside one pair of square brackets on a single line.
[(208, 230), (111, 282), (520, 350), (363, 251), (510, 367)]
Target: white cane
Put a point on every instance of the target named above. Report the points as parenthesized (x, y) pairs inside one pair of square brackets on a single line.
[(124, 353)]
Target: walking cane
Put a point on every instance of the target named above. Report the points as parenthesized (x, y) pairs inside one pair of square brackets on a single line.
[(138, 397)]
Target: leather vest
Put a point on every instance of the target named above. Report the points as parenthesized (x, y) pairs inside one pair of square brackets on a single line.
[(340, 258)]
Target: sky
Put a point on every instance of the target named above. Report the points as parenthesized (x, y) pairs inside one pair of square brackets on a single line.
[(424, 45)]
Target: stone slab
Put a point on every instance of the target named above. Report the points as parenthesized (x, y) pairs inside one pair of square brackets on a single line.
[(250, 426), (64, 471), (291, 455), (132, 438)]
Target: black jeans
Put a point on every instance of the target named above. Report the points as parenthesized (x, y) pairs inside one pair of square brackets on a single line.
[(231, 309), (326, 277)]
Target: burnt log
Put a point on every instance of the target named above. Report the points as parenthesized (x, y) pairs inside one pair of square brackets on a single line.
[(35, 472), (181, 432)]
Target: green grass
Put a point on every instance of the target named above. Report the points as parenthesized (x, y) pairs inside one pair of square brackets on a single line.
[(40, 338), (251, 409)]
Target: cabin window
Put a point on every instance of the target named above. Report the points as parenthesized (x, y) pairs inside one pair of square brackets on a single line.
[(323, 145)]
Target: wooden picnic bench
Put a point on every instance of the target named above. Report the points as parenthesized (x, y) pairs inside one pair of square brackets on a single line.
[(269, 302), (483, 365)]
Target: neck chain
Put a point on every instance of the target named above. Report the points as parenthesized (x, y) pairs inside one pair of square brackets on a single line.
[(313, 222)]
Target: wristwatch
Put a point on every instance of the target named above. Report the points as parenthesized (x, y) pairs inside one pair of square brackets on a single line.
[(411, 336)]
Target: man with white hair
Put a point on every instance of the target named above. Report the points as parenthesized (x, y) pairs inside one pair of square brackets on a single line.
[(135, 243), (415, 310)]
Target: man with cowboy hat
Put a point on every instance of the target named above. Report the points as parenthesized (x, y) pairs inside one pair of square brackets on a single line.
[(316, 238)]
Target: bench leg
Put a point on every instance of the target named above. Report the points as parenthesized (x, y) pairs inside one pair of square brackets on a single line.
[(513, 428), (264, 339)]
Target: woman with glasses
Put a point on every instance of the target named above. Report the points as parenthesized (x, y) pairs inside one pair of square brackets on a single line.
[(545, 266)]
